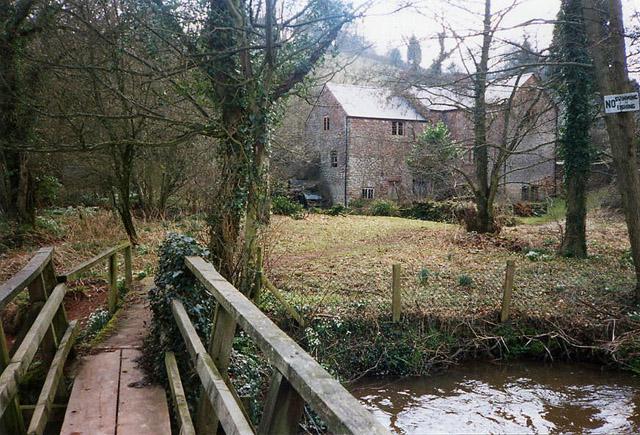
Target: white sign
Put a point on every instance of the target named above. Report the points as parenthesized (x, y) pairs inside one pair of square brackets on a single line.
[(621, 103)]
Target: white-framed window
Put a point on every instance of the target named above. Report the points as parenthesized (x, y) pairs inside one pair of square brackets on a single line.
[(334, 159), (368, 193), (326, 123), (397, 128)]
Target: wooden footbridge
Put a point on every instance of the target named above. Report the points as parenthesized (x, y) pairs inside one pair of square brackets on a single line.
[(109, 402)]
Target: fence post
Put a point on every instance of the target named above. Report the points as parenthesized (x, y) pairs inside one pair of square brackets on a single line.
[(128, 274), (508, 288), (112, 279), (397, 293)]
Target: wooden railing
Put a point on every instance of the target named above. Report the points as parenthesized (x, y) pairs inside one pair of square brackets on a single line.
[(112, 274), (46, 329), (297, 378)]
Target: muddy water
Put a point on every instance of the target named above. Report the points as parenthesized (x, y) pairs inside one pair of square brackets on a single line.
[(516, 398)]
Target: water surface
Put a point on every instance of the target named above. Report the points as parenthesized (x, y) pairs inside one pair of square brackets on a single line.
[(514, 398)]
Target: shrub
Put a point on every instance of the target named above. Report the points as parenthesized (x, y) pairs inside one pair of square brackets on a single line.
[(382, 207), (284, 206), (436, 211), (338, 210), (174, 281)]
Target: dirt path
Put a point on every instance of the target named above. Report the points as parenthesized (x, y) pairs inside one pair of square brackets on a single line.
[(109, 394)]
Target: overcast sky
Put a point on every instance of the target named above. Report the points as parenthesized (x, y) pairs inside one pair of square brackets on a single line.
[(388, 29)]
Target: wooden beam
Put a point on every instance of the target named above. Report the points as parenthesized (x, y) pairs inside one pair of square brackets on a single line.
[(25, 276), (112, 281), (128, 270), (48, 392), (220, 344), (12, 421), (224, 404), (24, 355), (336, 406), (78, 270), (177, 394), (283, 408), (274, 290)]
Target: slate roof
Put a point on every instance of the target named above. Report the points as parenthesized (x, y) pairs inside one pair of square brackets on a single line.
[(449, 98), (371, 102)]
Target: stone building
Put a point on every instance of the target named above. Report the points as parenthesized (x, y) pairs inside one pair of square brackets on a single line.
[(363, 136)]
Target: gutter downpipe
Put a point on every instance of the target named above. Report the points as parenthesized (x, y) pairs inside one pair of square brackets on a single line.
[(346, 159)]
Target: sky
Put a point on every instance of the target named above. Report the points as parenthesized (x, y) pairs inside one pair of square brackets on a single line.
[(387, 29)]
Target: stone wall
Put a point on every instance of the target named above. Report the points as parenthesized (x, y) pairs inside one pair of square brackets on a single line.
[(378, 159), (324, 142)]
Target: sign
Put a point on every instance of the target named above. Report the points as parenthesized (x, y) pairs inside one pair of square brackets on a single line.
[(621, 103)]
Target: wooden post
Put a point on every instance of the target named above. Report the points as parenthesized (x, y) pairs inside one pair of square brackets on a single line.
[(220, 344), (128, 274), (112, 279), (508, 288), (258, 285), (38, 293), (11, 422), (397, 293), (283, 407)]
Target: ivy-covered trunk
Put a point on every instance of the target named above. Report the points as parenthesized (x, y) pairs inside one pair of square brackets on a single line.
[(574, 89)]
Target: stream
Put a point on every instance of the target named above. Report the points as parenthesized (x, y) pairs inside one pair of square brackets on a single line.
[(520, 397)]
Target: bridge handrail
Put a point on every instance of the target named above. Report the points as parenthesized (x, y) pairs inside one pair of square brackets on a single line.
[(298, 375), (112, 281), (46, 329), (25, 276), (81, 268)]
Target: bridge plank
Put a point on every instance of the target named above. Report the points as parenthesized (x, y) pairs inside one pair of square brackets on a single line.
[(338, 408), (94, 397), (142, 409)]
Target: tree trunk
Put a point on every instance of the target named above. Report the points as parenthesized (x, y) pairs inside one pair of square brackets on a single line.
[(574, 243), (605, 32), (484, 219), (575, 92)]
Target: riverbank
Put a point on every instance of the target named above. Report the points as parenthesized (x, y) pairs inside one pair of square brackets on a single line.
[(337, 272)]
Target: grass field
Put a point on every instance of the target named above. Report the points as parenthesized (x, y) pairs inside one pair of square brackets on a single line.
[(335, 264)]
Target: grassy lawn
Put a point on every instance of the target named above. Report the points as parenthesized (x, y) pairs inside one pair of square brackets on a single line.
[(335, 265)]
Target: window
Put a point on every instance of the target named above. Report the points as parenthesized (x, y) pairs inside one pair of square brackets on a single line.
[(326, 123), (368, 193), (334, 159), (397, 128), (530, 193)]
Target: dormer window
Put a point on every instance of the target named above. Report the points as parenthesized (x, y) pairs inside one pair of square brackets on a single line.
[(397, 128), (326, 124)]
